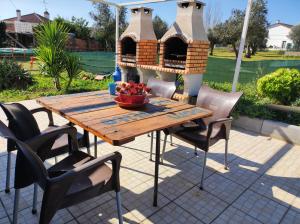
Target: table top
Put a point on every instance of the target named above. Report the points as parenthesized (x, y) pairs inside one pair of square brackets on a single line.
[(97, 113)]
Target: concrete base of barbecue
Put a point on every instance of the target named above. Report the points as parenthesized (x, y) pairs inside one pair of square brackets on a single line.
[(146, 74), (167, 76), (192, 84)]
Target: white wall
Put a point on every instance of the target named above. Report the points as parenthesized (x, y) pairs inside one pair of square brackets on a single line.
[(277, 35)]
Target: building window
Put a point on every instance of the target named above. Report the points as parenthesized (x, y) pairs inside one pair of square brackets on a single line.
[(283, 45)]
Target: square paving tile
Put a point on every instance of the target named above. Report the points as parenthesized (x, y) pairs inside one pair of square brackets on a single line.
[(106, 213), (86, 206), (276, 188), (26, 217), (171, 214), (202, 204), (291, 217), (139, 200), (173, 185), (192, 172), (239, 174), (4, 221), (260, 207), (234, 216), (223, 188)]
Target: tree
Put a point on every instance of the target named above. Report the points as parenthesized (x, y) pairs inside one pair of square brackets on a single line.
[(258, 27), (231, 29), (50, 51), (160, 27), (2, 33), (214, 35), (295, 36), (78, 26), (105, 24)]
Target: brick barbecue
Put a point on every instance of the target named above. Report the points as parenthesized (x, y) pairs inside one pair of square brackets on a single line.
[(182, 50), (185, 44), (138, 43)]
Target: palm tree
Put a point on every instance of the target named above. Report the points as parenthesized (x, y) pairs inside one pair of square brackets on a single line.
[(51, 39)]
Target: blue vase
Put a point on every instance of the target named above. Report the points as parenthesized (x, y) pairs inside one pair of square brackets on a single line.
[(117, 76)]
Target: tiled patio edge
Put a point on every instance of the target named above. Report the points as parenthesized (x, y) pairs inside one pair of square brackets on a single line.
[(274, 129)]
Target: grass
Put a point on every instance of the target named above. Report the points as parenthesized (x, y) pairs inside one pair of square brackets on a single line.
[(43, 86)]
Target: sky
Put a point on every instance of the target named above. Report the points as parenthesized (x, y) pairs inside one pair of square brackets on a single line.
[(286, 11)]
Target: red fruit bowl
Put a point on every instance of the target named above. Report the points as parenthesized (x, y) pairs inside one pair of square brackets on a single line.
[(132, 99), (123, 104)]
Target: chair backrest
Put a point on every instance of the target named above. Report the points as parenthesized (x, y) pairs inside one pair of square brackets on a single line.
[(161, 88), (29, 167), (21, 122), (221, 103)]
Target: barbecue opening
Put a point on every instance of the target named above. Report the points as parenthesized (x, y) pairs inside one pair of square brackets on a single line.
[(175, 53), (128, 46)]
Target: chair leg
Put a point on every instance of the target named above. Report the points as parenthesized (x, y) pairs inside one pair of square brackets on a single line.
[(151, 146), (35, 196), (203, 170), (8, 172), (195, 151), (119, 207), (226, 155), (16, 206), (171, 140), (164, 149), (95, 146)]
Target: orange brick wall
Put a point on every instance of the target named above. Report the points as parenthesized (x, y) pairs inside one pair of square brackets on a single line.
[(146, 52)]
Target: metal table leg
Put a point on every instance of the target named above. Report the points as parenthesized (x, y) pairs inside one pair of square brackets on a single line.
[(157, 156)]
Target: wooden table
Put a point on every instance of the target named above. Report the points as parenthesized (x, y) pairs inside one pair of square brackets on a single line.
[(97, 113)]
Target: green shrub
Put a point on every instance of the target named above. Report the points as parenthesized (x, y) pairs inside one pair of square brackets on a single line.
[(13, 75), (283, 85)]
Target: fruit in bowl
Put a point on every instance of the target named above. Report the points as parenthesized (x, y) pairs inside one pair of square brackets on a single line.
[(132, 93)]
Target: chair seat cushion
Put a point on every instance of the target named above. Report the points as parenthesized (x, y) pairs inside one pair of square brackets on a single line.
[(196, 137), (85, 183)]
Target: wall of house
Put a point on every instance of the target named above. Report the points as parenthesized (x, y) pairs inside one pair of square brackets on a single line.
[(277, 35)]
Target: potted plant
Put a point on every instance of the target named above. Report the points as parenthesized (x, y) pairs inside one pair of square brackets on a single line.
[(132, 93)]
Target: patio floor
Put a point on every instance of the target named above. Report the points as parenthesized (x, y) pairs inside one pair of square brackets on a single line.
[(262, 185)]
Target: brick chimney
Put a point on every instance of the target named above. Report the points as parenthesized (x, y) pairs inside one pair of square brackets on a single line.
[(18, 11), (46, 15)]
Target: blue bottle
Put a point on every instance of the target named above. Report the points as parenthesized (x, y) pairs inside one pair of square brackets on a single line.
[(117, 76)]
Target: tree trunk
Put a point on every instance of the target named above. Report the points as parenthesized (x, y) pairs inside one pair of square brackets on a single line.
[(235, 50), (248, 52), (212, 46), (57, 83)]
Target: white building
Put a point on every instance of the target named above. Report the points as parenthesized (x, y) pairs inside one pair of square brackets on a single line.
[(279, 36)]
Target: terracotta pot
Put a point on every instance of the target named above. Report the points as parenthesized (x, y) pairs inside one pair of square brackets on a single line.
[(134, 99)]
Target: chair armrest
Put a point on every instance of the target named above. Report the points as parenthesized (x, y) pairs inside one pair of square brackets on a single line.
[(84, 169), (223, 122), (45, 110), (38, 141)]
